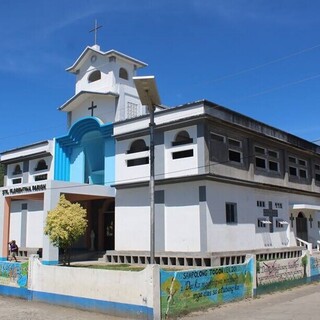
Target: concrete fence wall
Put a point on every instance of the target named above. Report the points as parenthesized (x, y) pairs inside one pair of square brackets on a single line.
[(153, 293), (121, 293)]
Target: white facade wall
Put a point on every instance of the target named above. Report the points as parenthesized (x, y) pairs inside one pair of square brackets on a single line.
[(185, 227), (182, 218), (107, 76), (105, 110), (15, 227), (245, 234), (132, 219), (184, 166), (125, 174), (161, 117), (33, 164), (27, 230)]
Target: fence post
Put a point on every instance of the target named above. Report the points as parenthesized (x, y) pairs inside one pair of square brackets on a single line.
[(156, 292)]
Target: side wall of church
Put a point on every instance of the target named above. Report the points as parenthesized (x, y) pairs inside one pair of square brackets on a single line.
[(192, 217), (26, 223)]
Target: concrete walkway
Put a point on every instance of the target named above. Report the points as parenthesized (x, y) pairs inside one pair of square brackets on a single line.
[(300, 303), (296, 304)]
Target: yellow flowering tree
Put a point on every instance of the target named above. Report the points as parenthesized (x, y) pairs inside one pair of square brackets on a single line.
[(65, 224)]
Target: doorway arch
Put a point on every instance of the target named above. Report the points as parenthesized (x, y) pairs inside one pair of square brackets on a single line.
[(302, 226)]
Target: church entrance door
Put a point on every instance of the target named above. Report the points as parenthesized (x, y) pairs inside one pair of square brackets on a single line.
[(302, 226), (109, 227)]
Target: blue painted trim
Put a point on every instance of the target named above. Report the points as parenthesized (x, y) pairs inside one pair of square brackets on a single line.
[(16, 292), (3, 258), (112, 308), (50, 262)]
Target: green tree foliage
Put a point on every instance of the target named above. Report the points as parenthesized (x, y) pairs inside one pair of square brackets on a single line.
[(65, 224)]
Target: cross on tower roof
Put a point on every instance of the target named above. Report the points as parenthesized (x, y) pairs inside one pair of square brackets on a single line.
[(95, 29)]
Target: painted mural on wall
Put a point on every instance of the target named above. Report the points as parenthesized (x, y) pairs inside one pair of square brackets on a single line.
[(14, 274), (315, 265), (273, 271), (184, 291)]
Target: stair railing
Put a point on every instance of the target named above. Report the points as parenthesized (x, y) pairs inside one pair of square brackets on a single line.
[(305, 244)]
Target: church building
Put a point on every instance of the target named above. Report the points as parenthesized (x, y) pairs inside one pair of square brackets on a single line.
[(80, 164), (223, 182)]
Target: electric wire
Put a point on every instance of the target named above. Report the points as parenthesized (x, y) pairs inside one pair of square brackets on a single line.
[(227, 76)]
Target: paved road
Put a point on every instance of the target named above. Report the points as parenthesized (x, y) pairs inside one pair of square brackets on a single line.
[(296, 304), (18, 309)]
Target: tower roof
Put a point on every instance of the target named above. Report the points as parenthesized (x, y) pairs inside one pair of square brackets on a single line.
[(96, 49)]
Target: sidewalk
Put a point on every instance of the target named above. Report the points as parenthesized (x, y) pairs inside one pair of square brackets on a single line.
[(295, 304)]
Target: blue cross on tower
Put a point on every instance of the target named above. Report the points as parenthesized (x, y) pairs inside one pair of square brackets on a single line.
[(271, 213)]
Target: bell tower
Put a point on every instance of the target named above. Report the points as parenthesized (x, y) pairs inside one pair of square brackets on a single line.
[(104, 86)]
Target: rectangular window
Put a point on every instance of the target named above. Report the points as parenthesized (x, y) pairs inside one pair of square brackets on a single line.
[(273, 166), (279, 223), (259, 150), (261, 204), (262, 222), (217, 137), (302, 163), (234, 143), (293, 171), (303, 174), (16, 181), (317, 167), (231, 213), (317, 177), (40, 177), (182, 154), (292, 160), (132, 110), (260, 163), (235, 156), (298, 168), (137, 162), (273, 154), (267, 159)]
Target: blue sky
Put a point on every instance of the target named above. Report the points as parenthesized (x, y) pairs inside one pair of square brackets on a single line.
[(259, 58)]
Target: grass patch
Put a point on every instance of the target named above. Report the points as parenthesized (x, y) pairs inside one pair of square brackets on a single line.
[(121, 267)]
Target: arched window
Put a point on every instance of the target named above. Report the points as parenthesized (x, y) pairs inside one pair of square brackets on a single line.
[(17, 170), (123, 74), (94, 76), (138, 146), (41, 165), (182, 138)]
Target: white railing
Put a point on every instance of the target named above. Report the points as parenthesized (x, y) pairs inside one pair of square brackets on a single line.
[(305, 244)]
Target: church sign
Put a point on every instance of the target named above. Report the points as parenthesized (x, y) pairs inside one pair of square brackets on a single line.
[(190, 290), (315, 264), (24, 189), (14, 274), (273, 271)]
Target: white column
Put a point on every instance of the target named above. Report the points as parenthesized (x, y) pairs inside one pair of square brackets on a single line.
[(50, 254)]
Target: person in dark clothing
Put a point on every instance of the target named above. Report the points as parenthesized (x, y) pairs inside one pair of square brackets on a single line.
[(13, 250)]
